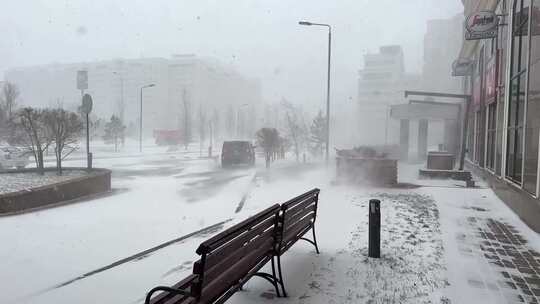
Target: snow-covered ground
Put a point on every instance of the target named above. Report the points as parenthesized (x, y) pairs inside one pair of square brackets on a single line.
[(430, 251), (13, 182), (157, 197)]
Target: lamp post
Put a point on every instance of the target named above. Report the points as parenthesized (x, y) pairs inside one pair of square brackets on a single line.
[(121, 106), (306, 23), (140, 116)]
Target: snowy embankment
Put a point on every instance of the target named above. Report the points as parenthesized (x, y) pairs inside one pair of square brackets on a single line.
[(14, 182)]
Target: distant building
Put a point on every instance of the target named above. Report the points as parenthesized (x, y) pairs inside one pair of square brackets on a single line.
[(442, 43), (115, 88), (382, 72), (381, 83)]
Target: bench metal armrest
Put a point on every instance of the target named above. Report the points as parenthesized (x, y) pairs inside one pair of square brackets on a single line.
[(167, 289)]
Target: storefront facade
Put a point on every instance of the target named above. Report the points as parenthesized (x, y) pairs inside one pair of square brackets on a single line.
[(504, 117)]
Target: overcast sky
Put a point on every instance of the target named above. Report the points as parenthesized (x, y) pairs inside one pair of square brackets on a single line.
[(261, 39)]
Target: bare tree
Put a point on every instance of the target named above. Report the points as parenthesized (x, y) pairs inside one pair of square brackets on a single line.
[(96, 124), (114, 132), (8, 98), (296, 129), (202, 128), (318, 134), (269, 140), (28, 129), (64, 129)]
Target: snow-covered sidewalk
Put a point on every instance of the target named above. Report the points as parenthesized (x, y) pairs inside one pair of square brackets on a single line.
[(441, 243)]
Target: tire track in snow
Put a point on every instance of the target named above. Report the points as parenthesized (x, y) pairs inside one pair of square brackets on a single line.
[(144, 254), (246, 194), (138, 256)]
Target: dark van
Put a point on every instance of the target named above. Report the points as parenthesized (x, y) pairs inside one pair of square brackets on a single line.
[(237, 153)]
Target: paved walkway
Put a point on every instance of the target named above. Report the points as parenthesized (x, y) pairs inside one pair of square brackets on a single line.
[(491, 255)]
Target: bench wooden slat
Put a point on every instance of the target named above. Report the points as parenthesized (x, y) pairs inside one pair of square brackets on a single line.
[(232, 232), (299, 205), (292, 238), (300, 198), (221, 299), (291, 212), (235, 258), (291, 220), (296, 228), (230, 277), (218, 254)]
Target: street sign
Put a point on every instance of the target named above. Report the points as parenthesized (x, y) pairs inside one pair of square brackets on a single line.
[(481, 25), (87, 104), (82, 80)]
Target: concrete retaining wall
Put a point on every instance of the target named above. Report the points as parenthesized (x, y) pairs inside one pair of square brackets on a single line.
[(97, 181), (369, 171)]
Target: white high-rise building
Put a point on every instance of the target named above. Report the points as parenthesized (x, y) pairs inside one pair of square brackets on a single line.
[(381, 83), (442, 43), (115, 86)]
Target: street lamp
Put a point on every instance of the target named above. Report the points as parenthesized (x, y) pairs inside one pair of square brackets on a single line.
[(140, 116), (121, 107), (306, 23)]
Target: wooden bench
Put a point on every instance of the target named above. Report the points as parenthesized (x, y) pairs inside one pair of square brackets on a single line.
[(229, 259), (297, 218)]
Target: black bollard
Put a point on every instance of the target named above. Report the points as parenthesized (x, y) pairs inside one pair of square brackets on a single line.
[(374, 250)]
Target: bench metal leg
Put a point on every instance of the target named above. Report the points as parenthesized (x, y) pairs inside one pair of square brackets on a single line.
[(281, 276), (167, 289), (270, 278), (314, 242)]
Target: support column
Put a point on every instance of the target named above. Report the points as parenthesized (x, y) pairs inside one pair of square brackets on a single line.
[(451, 136), (404, 139), (422, 138)]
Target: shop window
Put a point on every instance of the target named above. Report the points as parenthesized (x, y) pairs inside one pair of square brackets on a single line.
[(479, 137), (480, 123), (531, 131), (470, 137), (518, 83), (491, 135), (498, 144), (499, 107), (532, 125)]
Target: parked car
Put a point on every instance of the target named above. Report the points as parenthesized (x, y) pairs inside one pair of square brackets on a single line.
[(14, 157), (237, 153)]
